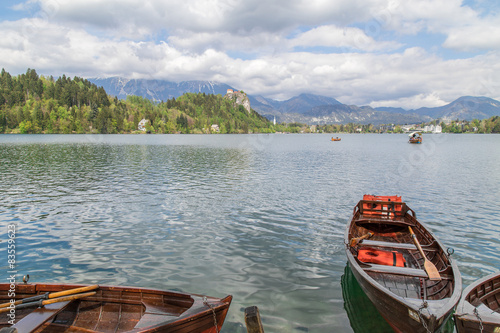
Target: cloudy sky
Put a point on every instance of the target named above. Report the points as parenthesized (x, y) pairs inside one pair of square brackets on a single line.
[(407, 53)]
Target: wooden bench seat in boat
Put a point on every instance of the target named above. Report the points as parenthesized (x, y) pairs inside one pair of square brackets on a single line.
[(404, 246), (488, 294), (377, 220), (39, 316), (407, 246), (414, 272)]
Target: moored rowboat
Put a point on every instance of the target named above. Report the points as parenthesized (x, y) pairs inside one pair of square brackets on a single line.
[(113, 309), (479, 306), (413, 292)]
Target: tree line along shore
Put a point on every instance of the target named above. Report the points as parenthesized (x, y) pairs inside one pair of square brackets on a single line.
[(30, 103)]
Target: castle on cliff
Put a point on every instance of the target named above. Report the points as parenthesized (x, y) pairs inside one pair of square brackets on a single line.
[(239, 98)]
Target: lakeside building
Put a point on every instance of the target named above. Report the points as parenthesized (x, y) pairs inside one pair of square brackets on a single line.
[(142, 125), (408, 128), (433, 129)]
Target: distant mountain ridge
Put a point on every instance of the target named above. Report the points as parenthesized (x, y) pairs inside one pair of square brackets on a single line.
[(306, 108), (157, 90), (334, 112), (464, 108)]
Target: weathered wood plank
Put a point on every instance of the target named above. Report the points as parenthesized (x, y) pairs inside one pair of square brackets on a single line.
[(252, 320)]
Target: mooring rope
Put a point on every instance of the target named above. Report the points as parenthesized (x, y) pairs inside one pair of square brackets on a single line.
[(205, 301), (480, 321)]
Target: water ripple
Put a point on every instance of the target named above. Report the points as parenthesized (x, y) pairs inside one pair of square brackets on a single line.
[(260, 217)]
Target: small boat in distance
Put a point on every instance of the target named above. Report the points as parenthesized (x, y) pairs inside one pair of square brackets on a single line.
[(400, 265), (479, 306), (336, 139), (83, 308), (415, 137)]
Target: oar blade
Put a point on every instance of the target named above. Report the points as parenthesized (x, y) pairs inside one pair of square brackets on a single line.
[(432, 271), (429, 267)]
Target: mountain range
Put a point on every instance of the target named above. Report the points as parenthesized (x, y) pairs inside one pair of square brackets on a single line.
[(306, 108)]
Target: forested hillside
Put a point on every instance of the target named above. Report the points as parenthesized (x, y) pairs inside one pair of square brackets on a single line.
[(30, 103)]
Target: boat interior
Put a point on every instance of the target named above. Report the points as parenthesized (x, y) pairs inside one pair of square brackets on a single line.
[(487, 293), (383, 228)]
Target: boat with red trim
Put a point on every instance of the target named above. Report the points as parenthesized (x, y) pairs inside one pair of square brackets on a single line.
[(401, 266)]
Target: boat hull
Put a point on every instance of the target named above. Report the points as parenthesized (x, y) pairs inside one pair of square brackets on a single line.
[(401, 316), (404, 296), (482, 296), (120, 309), (363, 316)]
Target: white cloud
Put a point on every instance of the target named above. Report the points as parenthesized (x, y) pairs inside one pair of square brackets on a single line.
[(371, 62), (259, 42), (412, 102), (343, 38), (465, 28), (205, 16), (482, 36), (413, 16)]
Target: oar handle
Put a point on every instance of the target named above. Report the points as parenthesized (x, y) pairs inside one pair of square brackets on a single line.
[(28, 300), (356, 240), (73, 291), (68, 298), (41, 302), (415, 240), (52, 295)]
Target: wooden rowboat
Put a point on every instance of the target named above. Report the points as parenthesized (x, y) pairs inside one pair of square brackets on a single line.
[(111, 309), (336, 139), (415, 137), (389, 266), (480, 306)]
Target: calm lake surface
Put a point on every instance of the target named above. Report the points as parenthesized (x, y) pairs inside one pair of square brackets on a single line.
[(260, 217)]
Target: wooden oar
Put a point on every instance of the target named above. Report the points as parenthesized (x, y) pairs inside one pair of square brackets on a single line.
[(429, 267), (52, 295), (41, 303), (355, 241)]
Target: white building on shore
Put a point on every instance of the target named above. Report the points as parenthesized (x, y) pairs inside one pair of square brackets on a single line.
[(433, 129), (142, 125)]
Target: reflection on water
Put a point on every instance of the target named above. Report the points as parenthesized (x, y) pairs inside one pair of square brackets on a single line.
[(260, 217), (363, 315)]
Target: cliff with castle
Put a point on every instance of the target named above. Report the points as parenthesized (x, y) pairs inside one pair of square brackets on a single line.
[(238, 98)]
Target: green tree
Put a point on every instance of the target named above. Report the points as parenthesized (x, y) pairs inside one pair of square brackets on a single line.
[(25, 127)]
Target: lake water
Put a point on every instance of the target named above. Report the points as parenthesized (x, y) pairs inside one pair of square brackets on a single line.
[(260, 217)]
